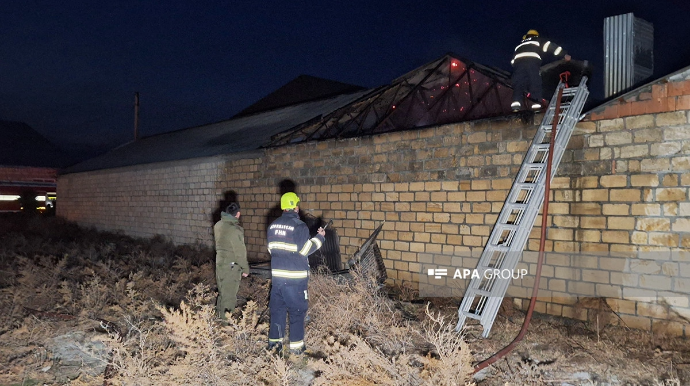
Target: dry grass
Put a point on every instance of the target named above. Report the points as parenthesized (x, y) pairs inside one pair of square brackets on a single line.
[(151, 303)]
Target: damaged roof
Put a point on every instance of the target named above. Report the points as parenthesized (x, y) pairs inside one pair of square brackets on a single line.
[(446, 90)]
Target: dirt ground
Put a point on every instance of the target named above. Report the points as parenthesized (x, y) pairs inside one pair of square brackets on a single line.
[(59, 282)]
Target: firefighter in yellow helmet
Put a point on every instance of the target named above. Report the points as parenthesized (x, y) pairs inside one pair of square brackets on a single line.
[(526, 63), (290, 246)]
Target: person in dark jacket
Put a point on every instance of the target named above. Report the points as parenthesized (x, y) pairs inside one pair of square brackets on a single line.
[(290, 246), (526, 63), (231, 258)]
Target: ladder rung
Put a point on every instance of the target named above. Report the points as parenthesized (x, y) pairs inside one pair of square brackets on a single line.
[(472, 315), (499, 248), (479, 292), (510, 227), (535, 165), (523, 185)]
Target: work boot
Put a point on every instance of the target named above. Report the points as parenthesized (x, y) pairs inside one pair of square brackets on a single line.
[(515, 106), (275, 347), (536, 106)]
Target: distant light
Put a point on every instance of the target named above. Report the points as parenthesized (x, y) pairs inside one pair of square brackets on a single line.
[(454, 64), (457, 85), (394, 106), (40, 198), (7, 197)]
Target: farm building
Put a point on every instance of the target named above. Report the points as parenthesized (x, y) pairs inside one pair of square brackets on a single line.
[(433, 154)]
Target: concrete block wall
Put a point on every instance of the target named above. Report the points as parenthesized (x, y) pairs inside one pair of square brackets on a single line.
[(173, 199)]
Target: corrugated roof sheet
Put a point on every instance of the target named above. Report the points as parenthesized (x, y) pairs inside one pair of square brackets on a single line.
[(232, 136)]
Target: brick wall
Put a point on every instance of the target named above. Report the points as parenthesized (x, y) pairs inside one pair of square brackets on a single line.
[(622, 188)]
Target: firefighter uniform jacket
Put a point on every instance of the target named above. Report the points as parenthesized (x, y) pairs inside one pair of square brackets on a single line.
[(289, 245), (532, 48)]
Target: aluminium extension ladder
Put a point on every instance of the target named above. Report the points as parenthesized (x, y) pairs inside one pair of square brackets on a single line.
[(514, 224)]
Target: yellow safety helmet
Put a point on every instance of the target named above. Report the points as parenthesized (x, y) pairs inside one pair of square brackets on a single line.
[(532, 32), (289, 200)]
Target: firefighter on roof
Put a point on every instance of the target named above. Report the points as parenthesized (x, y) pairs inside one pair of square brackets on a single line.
[(290, 246), (526, 62)]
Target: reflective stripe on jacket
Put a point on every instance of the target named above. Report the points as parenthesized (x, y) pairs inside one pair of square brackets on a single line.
[(533, 47), (290, 245)]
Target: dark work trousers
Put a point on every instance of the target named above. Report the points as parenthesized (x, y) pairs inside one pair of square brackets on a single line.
[(526, 78), (288, 297)]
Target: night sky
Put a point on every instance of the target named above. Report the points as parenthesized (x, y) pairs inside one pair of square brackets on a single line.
[(70, 68)]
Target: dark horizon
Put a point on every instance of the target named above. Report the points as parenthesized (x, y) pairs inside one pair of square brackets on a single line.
[(72, 70)]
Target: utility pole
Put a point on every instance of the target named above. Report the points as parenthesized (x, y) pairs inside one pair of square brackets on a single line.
[(136, 115)]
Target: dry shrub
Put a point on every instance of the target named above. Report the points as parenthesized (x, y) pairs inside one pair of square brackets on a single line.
[(190, 347), (452, 363), (363, 339), (357, 306)]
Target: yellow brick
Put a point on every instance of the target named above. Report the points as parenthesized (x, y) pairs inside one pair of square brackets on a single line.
[(501, 184), (438, 196), (614, 181), (621, 306), (621, 223), (585, 208), (595, 195), (673, 118), (670, 209), (593, 222), (616, 209), (653, 224), (432, 186), (566, 221), (441, 217), (619, 237), (681, 225), (456, 196), (618, 138), (481, 184), (422, 196), (476, 196), (618, 195), (597, 276), (652, 310), (670, 180), (646, 210), (663, 239), (588, 236), (588, 182), (671, 194), (560, 234), (634, 151), (644, 180)]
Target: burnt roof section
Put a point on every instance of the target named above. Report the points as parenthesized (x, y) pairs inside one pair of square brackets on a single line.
[(447, 90), (20, 145), (302, 89), (236, 135)]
